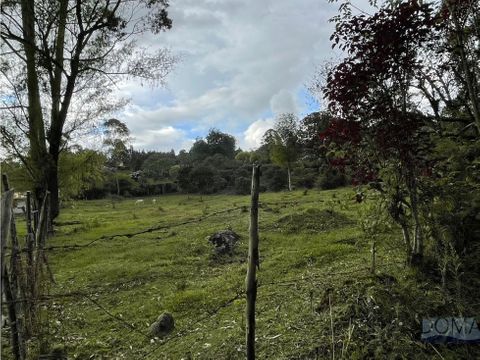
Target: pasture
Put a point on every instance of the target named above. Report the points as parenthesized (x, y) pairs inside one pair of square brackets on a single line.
[(129, 261)]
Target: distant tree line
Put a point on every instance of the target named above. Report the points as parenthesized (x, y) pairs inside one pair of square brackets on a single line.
[(291, 154)]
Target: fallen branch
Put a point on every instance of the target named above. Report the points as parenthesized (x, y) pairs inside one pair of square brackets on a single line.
[(141, 232)]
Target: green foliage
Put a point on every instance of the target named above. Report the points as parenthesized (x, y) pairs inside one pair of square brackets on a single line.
[(201, 178), (18, 175), (215, 143), (242, 185), (261, 155), (304, 177), (80, 172), (199, 151), (283, 141), (273, 178), (311, 128), (117, 137), (173, 172), (331, 179), (244, 157), (221, 143), (157, 165)]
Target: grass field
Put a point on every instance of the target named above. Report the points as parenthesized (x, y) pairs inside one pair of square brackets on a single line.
[(314, 280)]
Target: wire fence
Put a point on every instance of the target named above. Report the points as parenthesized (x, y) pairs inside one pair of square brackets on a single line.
[(324, 279), (94, 296), (162, 227)]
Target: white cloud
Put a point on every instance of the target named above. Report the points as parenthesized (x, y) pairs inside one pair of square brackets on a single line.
[(252, 137), (241, 60), (163, 139), (283, 102)]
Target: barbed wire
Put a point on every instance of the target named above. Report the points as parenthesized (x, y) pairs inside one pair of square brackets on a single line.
[(72, 247), (80, 295)]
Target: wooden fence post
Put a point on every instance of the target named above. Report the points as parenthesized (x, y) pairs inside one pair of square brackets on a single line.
[(7, 204), (10, 283), (30, 238), (253, 264)]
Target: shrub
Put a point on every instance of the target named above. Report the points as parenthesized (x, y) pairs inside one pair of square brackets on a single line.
[(273, 178), (331, 179), (242, 186)]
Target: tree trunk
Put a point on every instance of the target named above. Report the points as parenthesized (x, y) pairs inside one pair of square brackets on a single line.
[(58, 113), (470, 78), (52, 186), (117, 181), (289, 179), (253, 263), (36, 133), (417, 250), (407, 241)]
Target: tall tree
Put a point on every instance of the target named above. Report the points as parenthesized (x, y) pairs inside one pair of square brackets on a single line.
[(117, 136), (60, 61), (371, 94), (221, 143), (461, 26), (283, 143), (158, 164), (310, 129)]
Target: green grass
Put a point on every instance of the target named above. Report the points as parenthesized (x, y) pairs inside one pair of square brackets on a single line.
[(304, 269)]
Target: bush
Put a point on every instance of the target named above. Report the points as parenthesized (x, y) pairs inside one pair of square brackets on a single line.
[(242, 186), (273, 178), (331, 179), (304, 177)]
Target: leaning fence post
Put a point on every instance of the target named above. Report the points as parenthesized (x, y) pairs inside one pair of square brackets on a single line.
[(6, 220), (30, 233), (9, 288), (40, 235), (253, 263)]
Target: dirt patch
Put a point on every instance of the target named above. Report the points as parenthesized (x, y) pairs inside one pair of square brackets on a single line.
[(312, 220)]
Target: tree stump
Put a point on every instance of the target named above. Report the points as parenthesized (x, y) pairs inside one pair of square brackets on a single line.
[(224, 241)]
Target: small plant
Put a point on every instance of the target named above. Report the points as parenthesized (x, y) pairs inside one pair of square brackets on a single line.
[(115, 199)]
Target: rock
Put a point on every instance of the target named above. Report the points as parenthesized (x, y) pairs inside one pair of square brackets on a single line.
[(163, 326), (224, 241)]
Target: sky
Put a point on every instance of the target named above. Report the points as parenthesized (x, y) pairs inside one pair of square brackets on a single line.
[(242, 62)]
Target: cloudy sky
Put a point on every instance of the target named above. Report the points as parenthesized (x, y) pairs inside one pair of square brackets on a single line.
[(243, 61)]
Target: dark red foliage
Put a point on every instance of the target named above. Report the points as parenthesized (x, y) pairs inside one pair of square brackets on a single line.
[(398, 136), (341, 131), (381, 48), (368, 91)]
